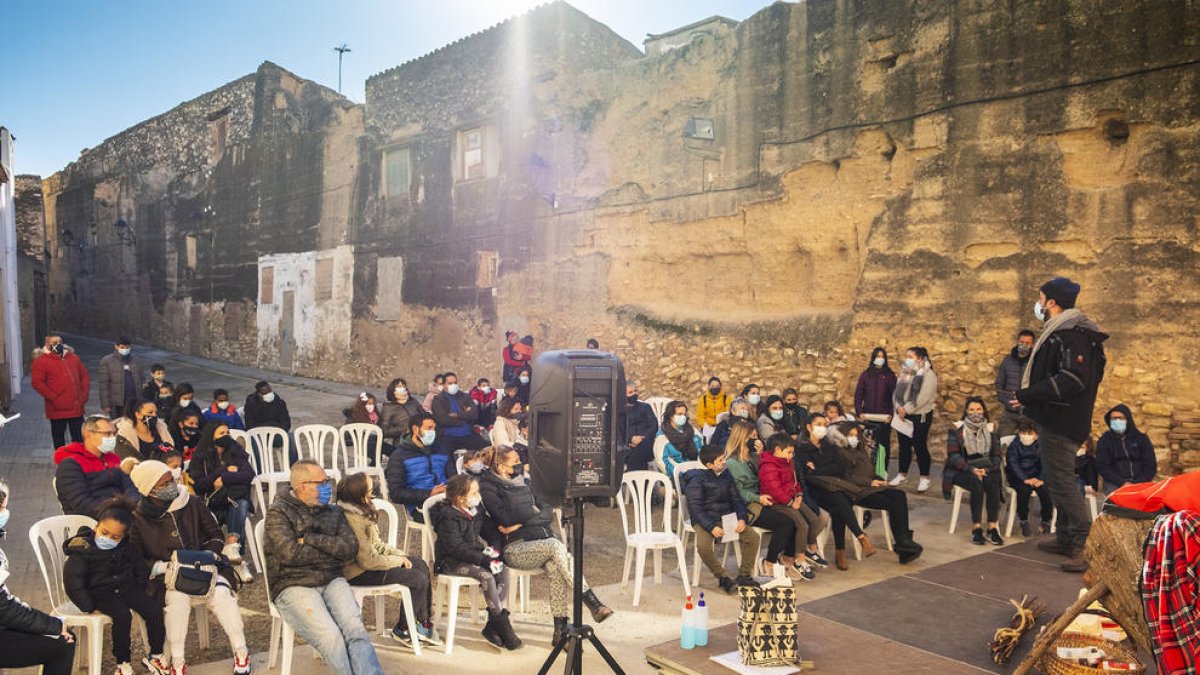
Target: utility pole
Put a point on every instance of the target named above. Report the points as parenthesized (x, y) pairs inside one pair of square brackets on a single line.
[(341, 52)]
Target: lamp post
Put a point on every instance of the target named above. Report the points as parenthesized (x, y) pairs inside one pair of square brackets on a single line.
[(341, 52)]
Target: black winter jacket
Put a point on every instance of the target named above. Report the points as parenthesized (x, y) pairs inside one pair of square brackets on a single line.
[(640, 422), (259, 413), (15, 615), (394, 417), (1064, 376), (1125, 458), (447, 418), (710, 496), (191, 528), (459, 537), (1008, 378), (329, 543), (206, 467), (510, 504), (89, 569), (1022, 462)]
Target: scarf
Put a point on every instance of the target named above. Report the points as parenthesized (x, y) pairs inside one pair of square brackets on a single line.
[(152, 509), (977, 438), (680, 438), (913, 381), (1066, 319)]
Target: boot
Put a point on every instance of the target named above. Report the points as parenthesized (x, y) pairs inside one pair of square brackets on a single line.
[(1077, 563), (491, 630), (1053, 545), (868, 549), (840, 559), (504, 628), (597, 608), (560, 629), (907, 549)]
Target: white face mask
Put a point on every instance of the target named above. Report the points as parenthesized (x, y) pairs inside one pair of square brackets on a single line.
[(370, 407), (754, 399), (124, 351), (222, 404), (679, 420), (438, 387), (485, 389), (1028, 439), (185, 402), (879, 361), (1039, 312), (452, 389), (853, 441), (524, 379), (820, 432), (268, 397), (400, 391), (474, 501)]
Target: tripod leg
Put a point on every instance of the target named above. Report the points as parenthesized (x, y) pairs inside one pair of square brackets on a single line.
[(612, 663), (558, 647)]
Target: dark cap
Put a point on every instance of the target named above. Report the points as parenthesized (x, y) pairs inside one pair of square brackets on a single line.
[(124, 340), (1061, 290)]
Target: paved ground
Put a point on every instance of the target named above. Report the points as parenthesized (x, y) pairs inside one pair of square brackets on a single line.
[(25, 463)]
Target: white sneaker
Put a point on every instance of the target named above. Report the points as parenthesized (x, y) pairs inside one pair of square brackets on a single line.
[(900, 479), (233, 552), (244, 573), (923, 484), (124, 669)]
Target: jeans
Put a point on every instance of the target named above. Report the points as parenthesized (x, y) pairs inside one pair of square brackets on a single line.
[(58, 430), (415, 577), (329, 619), (919, 442), (494, 586), (235, 519), (177, 612), (21, 649), (1058, 470), (989, 488)]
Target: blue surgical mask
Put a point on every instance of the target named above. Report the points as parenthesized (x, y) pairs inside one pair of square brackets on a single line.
[(105, 544), (1118, 426), (910, 363), (4, 514), (108, 444), (324, 493), (754, 398), (428, 437), (776, 415), (524, 379), (679, 420), (879, 361)]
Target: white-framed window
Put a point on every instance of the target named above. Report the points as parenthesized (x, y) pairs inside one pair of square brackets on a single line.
[(397, 172), (471, 159), (189, 248)]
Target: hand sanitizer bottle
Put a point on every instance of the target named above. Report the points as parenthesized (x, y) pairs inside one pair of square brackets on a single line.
[(687, 633)]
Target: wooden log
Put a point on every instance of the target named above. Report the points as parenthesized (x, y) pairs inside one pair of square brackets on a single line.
[(1114, 555), (1051, 632)]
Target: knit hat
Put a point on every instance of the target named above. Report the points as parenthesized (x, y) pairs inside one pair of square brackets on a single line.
[(1061, 290), (146, 474)]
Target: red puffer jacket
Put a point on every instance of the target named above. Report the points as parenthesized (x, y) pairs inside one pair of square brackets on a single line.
[(63, 382), (777, 477)]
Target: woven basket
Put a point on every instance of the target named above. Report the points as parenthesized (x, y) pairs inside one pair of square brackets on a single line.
[(1050, 664)]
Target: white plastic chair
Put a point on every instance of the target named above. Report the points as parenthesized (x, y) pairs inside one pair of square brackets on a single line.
[(1012, 509), (659, 405), (241, 437), (379, 592), (859, 513), (366, 441), (319, 442), (637, 490), (660, 442), (280, 629), (453, 584), (47, 537), (272, 472)]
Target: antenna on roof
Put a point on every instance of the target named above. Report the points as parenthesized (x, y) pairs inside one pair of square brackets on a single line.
[(341, 50)]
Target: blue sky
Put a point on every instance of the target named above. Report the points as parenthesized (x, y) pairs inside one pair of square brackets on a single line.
[(80, 71)]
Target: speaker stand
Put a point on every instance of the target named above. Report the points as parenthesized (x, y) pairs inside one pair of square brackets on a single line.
[(571, 643)]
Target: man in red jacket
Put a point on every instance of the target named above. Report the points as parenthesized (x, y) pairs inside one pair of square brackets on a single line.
[(90, 472), (59, 376)]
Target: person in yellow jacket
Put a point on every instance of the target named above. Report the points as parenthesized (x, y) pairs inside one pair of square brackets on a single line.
[(712, 403)]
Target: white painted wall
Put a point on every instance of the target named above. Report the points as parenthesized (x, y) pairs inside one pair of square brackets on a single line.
[(319, 328)]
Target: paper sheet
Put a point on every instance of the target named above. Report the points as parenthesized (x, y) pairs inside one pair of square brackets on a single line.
[(729, 524), (902, 426), (6, 420), (733, 661)]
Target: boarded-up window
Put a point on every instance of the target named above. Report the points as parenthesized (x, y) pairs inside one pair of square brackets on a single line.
[(189, 247), (220, 134), (470, 143), (488, 265), (266, 291), (396, 172), (389, 288), (324, 281)]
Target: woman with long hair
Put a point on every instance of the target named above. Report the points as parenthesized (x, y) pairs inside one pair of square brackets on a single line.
[(973, 463), (914, 400)]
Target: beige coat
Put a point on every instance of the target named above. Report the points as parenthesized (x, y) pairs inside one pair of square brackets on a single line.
[(373, 552)]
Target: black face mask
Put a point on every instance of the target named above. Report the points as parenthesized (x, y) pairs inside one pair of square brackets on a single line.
[(714, 390), (224, 442), (632, 398), (791, 406), (150, 420), (518, 470), (191, 432), (58, 349)]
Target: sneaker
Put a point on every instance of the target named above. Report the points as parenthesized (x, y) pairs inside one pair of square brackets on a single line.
[(124, 669), (748, 582), (178, 669), (803, 571), (923, 484), (429, 634), (977, 536), (244, 573), (241, 663), (233, 551), (900, 479), (1045, 527), (400, 635), (993, 536), (1025, 528), (727, 585), (156, 665), (815, 558)]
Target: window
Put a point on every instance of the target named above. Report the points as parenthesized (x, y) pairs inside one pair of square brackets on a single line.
[(700, 128), (189, 247), (220, 134), (470, 144), (324, 281), (266, 291), (396, 172), (487, 268)]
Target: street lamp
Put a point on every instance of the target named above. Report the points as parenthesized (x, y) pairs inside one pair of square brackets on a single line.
[(341, 52)]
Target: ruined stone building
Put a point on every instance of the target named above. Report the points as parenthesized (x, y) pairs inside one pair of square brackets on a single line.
[(763, 200)]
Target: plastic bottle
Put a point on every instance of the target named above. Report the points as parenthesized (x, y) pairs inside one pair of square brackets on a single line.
[(701, 623), (687, 632)]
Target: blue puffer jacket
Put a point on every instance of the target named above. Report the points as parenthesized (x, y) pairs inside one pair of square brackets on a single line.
[(413, 471), (1024, 462)]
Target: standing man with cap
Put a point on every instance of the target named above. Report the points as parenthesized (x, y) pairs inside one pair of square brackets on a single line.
[(58, 375), (1058, 392), (120, 378)]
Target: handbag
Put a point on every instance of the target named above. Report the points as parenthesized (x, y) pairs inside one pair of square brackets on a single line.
[(768, 626), (192, 572)]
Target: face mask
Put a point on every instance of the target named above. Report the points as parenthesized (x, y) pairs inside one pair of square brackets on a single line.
[(268, 397), (439, 388), (185, 402), (853, 441), (632, 398), (975, 418), (166, 493), (324, 493), (744, 414), (475, 501), (400, 391), (224, 442), (123, 352), (714, 390), (177, 474), (191, 432), (452, 389), (485, 389), (910, 363), (105, 544), (518, 469), (524, 379), (1039, 312), (820, 432), (4, 514), (679, 420), (159, 378), (476, 467), (222, 404), (791, 406), (370, 407), (1023, 350), (149, 420), (754, 399), (58, 349), (1028, 439), (879, 361), (428, 437), (776, 415), (164, 400), (1118, 426), (108, 444)]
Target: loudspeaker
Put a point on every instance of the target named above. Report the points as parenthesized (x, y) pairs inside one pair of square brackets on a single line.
[(576, 422)]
